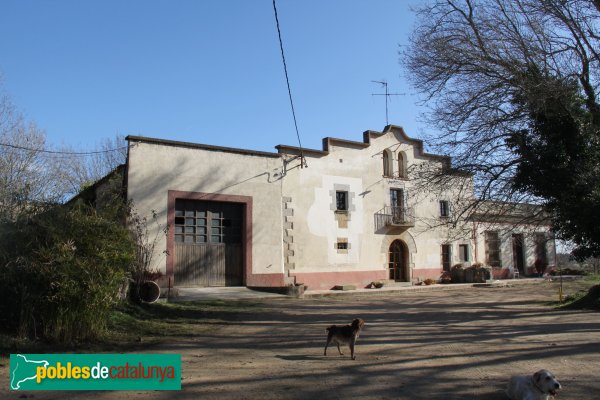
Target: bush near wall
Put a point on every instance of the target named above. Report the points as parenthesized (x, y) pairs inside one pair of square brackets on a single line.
[(60, 273)]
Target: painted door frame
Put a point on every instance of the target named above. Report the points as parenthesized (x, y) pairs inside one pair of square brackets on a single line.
[(245, 201), (404, 273)]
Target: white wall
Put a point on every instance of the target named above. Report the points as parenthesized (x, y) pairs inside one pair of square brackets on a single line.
[(359, 169), (154, 169)]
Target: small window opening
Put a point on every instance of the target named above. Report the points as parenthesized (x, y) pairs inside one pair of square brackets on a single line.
[(444, 208), (341, 200)]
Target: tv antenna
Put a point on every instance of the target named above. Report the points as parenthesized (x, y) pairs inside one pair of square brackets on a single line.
[(387, 96)]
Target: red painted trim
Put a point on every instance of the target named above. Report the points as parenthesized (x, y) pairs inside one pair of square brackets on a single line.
[(246, 201), (500, 273), (426, 273), (265, 280), (327, 280)]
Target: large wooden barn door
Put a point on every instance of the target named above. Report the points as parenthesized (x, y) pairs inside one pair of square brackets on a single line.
[(208, 243)]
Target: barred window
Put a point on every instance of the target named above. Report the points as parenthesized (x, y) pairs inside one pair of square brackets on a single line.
[(341, 200)]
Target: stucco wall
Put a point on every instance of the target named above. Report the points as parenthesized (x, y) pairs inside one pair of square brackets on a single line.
[(295, 224), (505, 234), (359, 171), (154, 169)]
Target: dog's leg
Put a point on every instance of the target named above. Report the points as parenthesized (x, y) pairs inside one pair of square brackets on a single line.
[(327, 344), (352, 341), (339, 350)]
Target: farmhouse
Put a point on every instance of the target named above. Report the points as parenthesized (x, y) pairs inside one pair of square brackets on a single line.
[(349, 213)]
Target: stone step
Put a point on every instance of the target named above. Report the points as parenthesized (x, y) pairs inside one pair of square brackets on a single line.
[(396, 284), (344, 287)]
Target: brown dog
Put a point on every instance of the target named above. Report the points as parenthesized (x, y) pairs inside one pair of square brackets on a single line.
[(346, 334)]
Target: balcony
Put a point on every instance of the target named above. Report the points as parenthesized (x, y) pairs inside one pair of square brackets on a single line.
[(394, 217)]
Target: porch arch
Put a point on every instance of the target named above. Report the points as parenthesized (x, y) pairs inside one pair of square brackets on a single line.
[(405, 236), (411, 247)]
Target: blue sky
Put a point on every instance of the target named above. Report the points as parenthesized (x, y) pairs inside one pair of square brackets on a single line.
[(206, 71)]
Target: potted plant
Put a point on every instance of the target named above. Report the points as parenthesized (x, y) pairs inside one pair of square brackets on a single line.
[(446, 277)]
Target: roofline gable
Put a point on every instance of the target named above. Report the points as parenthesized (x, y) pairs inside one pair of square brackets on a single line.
[(175, 143), (328, 143), (366, 142)]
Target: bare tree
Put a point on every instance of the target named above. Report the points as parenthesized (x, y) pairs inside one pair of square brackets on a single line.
[(26, 179), (469, 59), (82, 170), (34, 175)]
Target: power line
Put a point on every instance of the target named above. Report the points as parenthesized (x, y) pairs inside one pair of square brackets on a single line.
[(73, 153), (302, 161)]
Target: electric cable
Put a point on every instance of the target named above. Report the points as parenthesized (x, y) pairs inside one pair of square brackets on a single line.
[(302, 160), (74, 153)]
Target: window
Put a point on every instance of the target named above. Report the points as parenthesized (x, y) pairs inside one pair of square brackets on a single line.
[(341, 200), (342, 245), (463, 252), (387, 166), (444, 208), (401, 165), (397, 205), (492, 249), (190, 225), (200, 222), (397, 198), (446, 257)]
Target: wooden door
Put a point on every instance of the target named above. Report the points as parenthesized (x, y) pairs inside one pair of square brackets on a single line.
[(208, 243), (398, 264)]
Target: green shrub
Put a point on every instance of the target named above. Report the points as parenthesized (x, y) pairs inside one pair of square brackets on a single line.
[(60, 273), (582, 300), (567, 271)]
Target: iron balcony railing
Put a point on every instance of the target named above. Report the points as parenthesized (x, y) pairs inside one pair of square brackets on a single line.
[(394, 216)]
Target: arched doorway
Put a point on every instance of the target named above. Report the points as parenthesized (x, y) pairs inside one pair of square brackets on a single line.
[(398, 261)]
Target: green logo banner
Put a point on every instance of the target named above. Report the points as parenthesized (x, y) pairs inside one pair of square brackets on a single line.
[(95, 372)]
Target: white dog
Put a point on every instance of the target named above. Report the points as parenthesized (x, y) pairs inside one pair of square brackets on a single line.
[(541, 386)]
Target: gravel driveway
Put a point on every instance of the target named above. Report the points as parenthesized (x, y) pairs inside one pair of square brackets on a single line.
[(428, 345)]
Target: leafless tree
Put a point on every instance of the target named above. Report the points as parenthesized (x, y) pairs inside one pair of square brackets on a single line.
[(468, 59), (26, 177), (81, 170), (33, 174)]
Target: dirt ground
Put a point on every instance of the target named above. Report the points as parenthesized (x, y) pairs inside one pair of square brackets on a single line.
[(427, 345)]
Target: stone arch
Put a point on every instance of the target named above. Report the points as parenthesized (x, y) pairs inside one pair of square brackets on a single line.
[(405, 236)]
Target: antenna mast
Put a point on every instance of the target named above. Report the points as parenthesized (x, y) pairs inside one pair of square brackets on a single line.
[(387, 96)]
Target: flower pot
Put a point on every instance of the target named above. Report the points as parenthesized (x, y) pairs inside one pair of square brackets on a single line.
[(296, 290)]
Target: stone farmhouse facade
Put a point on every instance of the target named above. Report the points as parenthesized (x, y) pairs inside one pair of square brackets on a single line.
[(344, 214)]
